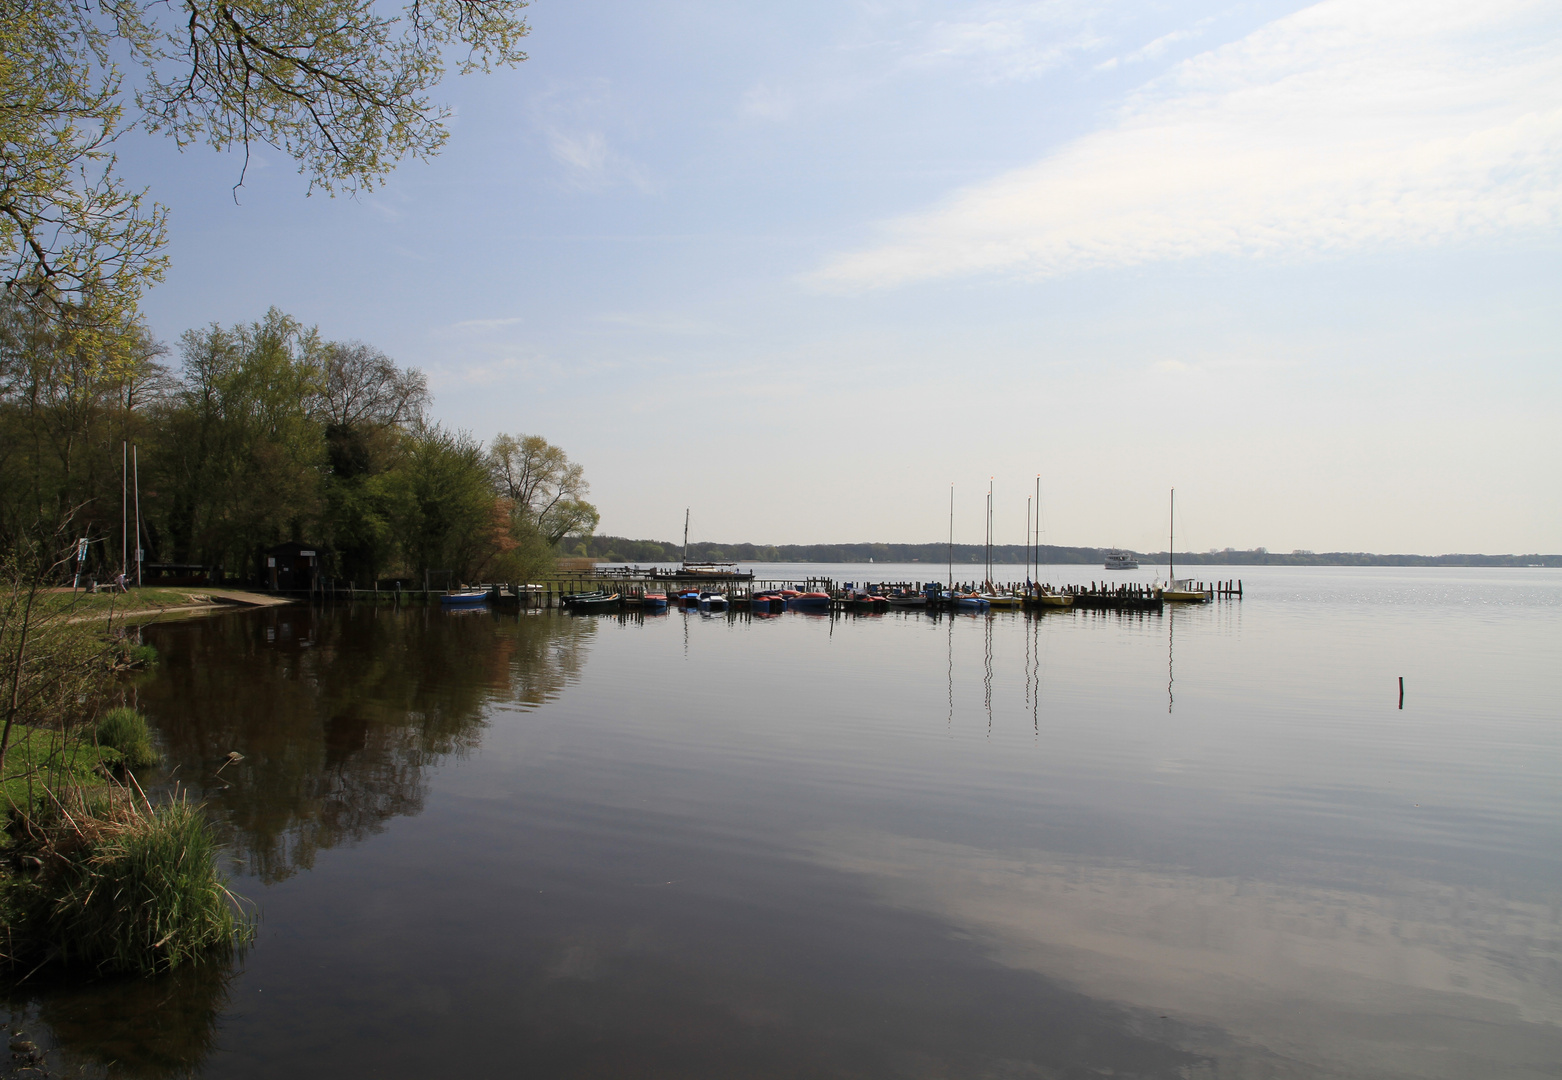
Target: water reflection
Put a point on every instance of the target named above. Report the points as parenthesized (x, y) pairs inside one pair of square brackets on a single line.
[(727, 854), (339, 714), (135, 1029)]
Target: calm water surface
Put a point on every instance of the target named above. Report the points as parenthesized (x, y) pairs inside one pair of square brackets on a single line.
[(1201, 844)]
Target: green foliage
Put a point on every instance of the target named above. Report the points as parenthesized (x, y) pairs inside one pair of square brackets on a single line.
[(547, 491), (143, 655), (39, 761), (124, 729), (127, 889), (340, 85)]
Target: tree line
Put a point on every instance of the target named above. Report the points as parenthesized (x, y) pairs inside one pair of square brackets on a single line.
[(261, 433), (623, 549)]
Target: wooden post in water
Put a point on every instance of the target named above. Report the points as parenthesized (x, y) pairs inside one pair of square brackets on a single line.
[(1401, 691)]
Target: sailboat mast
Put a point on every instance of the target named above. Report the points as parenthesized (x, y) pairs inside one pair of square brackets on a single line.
[(951, 582), (989, 533), (686, 537), (1027, 541), (124, 506), (1171, 546), (1037, 534), (136, 465)]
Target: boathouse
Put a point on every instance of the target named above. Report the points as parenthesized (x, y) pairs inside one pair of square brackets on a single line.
[(291, 567)]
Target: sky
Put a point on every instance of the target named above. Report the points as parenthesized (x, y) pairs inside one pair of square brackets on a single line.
[(804, 269)]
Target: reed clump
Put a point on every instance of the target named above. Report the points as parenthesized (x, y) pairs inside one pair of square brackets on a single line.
[(124, 729), (117, 884)]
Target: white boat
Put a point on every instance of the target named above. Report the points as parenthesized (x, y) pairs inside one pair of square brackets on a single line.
[(1120, 560)]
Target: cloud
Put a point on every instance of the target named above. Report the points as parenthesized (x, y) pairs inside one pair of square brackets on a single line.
[(1157, 48), (1013, 41), (574, 122), (1348, 125), (482, 325)]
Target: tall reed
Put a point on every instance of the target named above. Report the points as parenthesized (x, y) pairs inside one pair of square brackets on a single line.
[(124, 886)]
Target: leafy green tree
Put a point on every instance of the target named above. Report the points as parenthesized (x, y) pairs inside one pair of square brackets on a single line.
[(450, 520), (545, 488), (242, 450), (367, 404), (64, 415), (342, 86)]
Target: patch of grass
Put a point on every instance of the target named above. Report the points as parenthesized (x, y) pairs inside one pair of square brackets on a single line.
[(141, 655), (40, 758), (152, 598), (122, 886), (124, 729)]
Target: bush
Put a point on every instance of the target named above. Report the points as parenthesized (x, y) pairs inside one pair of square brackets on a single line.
[(128, 889), (141, 656), (125, 730)]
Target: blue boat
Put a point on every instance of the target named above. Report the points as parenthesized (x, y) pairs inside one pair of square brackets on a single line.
[(713, 601), (809, 601), (464, 598)]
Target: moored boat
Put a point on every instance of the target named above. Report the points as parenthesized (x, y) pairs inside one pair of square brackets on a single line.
[(1054, 600), (1003, 600), (464, 598), (713, 601), (1120, 560), (809, 601), (1184, 591), (591, 603), (654, 601)]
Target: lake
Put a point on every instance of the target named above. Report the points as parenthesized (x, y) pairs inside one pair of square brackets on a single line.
[(1206, 843)]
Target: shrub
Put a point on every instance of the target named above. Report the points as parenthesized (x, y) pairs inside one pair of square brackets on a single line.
[(129, 889), (125, 730), (142, 655)]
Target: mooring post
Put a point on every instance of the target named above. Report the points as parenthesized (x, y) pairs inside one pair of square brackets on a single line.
[(1401, 691)]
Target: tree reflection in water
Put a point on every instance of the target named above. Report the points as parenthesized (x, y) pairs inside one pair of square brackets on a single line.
[(133, 1028), (337, 713)]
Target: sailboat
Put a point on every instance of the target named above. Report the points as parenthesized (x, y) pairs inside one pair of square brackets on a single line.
[(1178, 589)]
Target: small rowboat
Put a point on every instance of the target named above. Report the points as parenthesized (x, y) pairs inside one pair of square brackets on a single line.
[(909, 600), (654, 600), (590, 603), (809, 601), (464, 598)]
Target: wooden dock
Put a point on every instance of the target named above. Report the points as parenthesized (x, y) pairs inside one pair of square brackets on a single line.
[(740, 592)]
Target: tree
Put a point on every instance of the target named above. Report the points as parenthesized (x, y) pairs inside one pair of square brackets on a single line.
[(342, 86), (450, 519), (544, 486), (243, 448)]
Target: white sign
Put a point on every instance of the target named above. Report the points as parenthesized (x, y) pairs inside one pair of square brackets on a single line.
[(81, 549)]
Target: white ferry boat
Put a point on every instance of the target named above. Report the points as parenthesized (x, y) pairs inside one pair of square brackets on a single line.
[(1120, 560)]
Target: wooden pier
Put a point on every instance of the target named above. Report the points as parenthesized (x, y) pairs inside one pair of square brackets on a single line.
[(740, 592)]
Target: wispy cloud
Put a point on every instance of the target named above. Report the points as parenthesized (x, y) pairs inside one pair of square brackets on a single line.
[(1353, 123), (575, 125), (482, 325), (1154, 50), (1012, 40)]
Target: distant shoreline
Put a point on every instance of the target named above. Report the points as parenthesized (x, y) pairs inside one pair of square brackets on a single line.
[(624, 550)]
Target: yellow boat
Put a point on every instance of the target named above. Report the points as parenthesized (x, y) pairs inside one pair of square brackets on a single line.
[(1002, 600), (1055, 600), (1178, 590), (1181, 591)]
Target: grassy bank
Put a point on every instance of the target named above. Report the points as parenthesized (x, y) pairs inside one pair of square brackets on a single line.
[(40, 759), (137, 601)]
